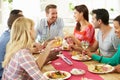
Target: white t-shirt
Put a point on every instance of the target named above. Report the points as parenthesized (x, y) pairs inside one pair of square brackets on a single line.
[(109, 45)]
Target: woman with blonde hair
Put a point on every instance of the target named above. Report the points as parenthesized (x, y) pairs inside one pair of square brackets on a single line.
[(19, 63)]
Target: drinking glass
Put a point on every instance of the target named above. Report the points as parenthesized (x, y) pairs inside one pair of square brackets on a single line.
[(85, 45)]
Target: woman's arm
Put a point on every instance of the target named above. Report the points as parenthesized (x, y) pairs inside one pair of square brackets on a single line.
[(27, 62), (48, 54), (114, 60)]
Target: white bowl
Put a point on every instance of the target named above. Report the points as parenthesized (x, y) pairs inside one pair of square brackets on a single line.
[(76, 71)]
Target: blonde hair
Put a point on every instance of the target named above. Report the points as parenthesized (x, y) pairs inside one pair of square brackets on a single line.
[(20, 37)]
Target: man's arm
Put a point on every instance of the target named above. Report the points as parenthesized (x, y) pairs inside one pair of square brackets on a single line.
[(94, 47)]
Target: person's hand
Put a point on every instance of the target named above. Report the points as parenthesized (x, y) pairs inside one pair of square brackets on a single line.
[(73, 39), (88, 52), (70, 38), (70, 41), (76, 48), (117, 68), (53, 44), (52, 56), (37, 47)]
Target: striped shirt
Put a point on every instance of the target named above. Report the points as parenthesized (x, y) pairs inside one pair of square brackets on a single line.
[(22, 66)]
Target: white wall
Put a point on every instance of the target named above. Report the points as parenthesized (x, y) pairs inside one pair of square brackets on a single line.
[(32, 8)]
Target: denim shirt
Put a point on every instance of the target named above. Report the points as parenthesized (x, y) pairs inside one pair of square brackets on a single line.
[(44, 32), (4, 38)]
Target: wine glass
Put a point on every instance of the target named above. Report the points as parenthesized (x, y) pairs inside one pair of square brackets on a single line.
[(59, 40), (85, 45)]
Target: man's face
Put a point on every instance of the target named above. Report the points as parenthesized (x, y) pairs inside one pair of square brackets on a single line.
[(52, 15), (95, 21)]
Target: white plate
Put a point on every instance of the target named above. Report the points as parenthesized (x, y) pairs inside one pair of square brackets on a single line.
[(81, 58), (100, 68), (76, 71), (46, 74)]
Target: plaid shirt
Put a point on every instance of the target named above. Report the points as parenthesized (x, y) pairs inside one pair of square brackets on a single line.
[(22, 66)]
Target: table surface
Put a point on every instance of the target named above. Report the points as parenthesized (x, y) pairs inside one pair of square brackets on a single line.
[(108, 76)]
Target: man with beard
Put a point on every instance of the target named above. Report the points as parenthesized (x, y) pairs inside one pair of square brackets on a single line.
[(50, 27)]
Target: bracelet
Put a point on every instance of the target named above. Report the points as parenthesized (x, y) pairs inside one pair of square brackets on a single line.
[(100, 58)]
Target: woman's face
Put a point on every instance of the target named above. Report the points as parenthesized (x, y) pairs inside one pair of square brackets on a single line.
[(77, 15), (117, 28)]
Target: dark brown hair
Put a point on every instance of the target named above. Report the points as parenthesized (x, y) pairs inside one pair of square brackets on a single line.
[(117, 19), (82, 8), (14, 14), (50, 6), (102, 14)]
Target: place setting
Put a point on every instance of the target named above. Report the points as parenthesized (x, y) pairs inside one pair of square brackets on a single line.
[(78, 56), (57, 75), (100, 68)]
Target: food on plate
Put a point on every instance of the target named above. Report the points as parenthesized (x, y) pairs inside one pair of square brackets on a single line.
[(57, 74), (81, 57), (65, 45), (75, 53), (54, 75), (100, 68), (76, 71)]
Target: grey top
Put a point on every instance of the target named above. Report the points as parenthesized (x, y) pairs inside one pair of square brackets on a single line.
[(109, 45), (44, 32)]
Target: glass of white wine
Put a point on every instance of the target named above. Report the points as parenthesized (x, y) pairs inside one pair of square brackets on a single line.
[(85, 45)]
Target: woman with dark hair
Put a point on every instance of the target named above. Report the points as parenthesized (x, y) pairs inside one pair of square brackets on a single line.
[(83, 30), (115, 59)]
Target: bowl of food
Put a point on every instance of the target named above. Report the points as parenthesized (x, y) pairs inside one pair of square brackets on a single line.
[(76, 71)]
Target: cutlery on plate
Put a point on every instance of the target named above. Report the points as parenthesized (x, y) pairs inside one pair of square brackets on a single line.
[(68, 61)]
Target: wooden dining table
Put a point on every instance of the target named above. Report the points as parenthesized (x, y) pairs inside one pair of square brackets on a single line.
[(105, 76)]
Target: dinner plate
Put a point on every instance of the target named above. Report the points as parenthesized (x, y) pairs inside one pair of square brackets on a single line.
[(57, 75), (80, 57), (100, 68)]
